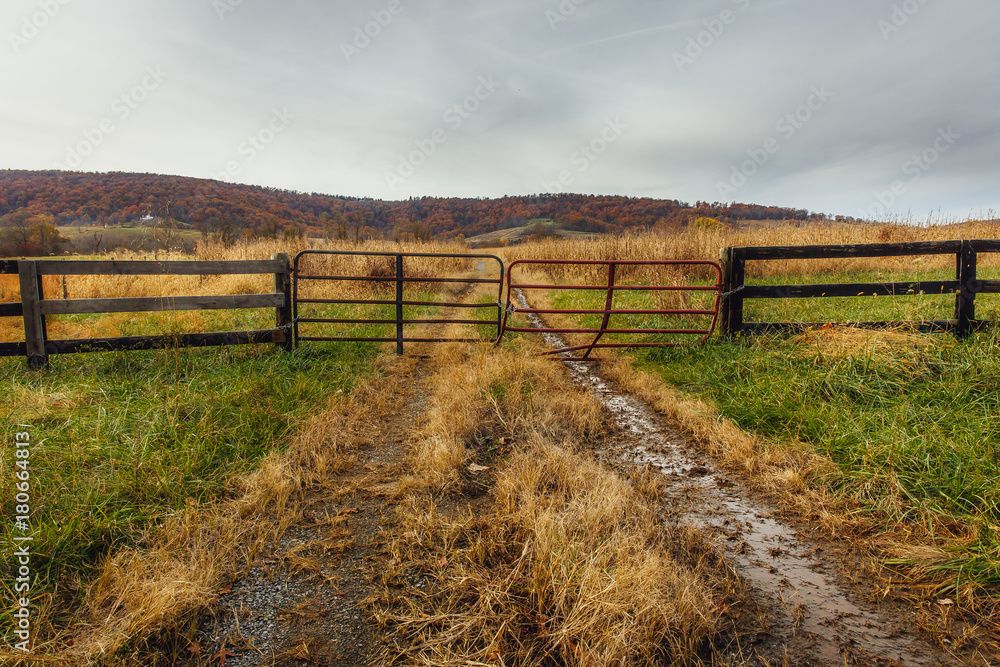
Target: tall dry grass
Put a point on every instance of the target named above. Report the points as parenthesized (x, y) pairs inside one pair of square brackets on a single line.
[(93, 287), (694, 243), (566, 563)]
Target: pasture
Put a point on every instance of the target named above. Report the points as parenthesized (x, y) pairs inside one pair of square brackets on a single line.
[(493, 526)]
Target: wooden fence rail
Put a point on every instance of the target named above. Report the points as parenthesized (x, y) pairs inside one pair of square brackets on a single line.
[(34, 307), (965, 286)]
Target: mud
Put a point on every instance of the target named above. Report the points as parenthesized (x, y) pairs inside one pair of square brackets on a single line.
[(814, 615)]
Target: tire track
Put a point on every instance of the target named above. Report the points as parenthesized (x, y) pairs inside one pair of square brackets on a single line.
[(815, 615)]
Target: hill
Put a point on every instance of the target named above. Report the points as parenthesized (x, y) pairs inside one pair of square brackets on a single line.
[(87, 199)]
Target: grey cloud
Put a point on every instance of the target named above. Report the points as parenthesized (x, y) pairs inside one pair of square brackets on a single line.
[(357, 116)]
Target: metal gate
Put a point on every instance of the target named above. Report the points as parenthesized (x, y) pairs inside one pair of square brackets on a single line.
[(399, 279), (608, 311)]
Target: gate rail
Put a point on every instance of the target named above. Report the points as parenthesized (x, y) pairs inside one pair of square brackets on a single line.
[(608, 311), (400, 280)]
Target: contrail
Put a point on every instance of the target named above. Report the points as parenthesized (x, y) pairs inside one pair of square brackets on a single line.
[(667, 27)]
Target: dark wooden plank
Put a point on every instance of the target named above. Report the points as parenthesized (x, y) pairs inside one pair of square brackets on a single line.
[(736, 298), (146, 268), (850, 251), (160, 342), (34, 327), (965, 300), (8, 267), (13, 349), (11, 310), (849, 289), (39, 281), (161, 303), (986, 245), (726, 261), (988, 287)]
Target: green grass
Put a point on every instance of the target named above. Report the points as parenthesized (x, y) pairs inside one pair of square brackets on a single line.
[(915, 307), (121, 440), (924, 423), (81, 239)]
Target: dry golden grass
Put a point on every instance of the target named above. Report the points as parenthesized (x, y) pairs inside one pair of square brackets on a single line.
[(893, 347), (91, 287), (567, 562), (705, 243), (147, 592), (493, 392), (789, 472)]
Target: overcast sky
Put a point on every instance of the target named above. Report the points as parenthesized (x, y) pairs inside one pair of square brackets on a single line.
[(843, 106)]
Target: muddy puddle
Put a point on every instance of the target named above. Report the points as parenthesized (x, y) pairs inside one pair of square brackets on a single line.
[(815, 614)]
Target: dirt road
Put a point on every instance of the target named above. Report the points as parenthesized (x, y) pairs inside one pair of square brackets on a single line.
[(309, 600)]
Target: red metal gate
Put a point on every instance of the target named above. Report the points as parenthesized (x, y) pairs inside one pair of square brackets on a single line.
[(608, 311)]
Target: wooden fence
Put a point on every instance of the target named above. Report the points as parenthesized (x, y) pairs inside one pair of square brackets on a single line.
[(34, 306), (965, 286)]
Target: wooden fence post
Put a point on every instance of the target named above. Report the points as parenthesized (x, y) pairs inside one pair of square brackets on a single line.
[(34, 322), (726, 260), (283, 314), (734, 266), (965, 299)]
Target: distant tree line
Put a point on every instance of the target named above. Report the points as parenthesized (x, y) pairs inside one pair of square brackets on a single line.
[(228, 212)]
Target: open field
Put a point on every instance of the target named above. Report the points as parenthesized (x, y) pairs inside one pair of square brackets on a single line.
[(468, 504), (91, 240)]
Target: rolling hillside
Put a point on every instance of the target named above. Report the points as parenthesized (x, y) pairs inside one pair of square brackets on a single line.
[(86, 199)]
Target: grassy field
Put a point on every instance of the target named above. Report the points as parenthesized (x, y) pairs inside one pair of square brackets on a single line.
[(910, 421), (131, 445), (127, 444), (99, 239), (125, 440)]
